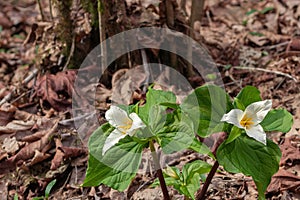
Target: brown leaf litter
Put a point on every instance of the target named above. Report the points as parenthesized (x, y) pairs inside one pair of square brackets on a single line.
[(57, 89)]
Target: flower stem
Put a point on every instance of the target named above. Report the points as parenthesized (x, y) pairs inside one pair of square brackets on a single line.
[(201, 193), (159, 172)]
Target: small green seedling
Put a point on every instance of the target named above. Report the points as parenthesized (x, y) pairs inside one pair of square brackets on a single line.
[(47, 191)]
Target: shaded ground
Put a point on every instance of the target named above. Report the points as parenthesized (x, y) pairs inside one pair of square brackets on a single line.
[(254, 43)]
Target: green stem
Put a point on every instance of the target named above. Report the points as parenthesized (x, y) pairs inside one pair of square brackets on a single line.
[(159, 172)]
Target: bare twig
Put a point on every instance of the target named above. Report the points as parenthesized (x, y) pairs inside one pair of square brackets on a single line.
[(70, 54), (266, 70), (24, 82), (30, 77), (7, 97), (86, 116), (278, 45), (21, 96)]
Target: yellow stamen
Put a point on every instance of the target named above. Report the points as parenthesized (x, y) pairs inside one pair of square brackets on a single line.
[(126, 127), (246, 122)]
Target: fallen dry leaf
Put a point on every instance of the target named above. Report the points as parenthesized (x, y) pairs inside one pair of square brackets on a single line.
[(57, 89), (3, 155), (102, 96), (54, 173), (290, 153), (62, 153), (4, 21), (28, 151), (16, 125), (10, 145), (125, 83), (38, 157), (284, 180), (258, 40), (35, 136), (7, 112), (59, 155), (71, 152)]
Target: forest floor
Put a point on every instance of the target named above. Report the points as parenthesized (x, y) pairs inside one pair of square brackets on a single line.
[(253, 43)]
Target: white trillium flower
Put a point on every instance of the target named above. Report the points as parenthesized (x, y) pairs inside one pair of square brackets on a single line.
[(124, 125), (250, 118)]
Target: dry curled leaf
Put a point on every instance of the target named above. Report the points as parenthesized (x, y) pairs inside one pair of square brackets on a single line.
[(57, 89), (35, 136), (62, 153), (38, 157), (71, 152), (59, 155), (284, 180), (28, 151), (16, 125), (10, 145), (4, 21), (7, 112), (125, 83), (290, 153)]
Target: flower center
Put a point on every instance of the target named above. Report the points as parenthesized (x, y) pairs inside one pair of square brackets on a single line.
[(246, 122), (127, 125)]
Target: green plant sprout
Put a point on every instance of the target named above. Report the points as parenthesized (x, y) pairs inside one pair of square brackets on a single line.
[(47, 191), (263, 12), (115, 148)]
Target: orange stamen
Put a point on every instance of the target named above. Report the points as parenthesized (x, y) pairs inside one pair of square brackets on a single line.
[(246, 122)]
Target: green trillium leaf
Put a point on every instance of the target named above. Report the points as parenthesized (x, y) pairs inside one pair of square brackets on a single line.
[(246, 96), (187, 182), (234, 133), (252, 158), (201, 148), (190, 169), (238, 104), (155, 97), (176, 137), (278, 120), (191, 176), (156, 118), (205, 107), (119, 164)]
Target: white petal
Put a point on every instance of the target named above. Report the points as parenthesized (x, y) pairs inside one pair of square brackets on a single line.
[(112, 139), (136, 123), (257, 133), (233, 117), (116, 116), (258, 110)]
